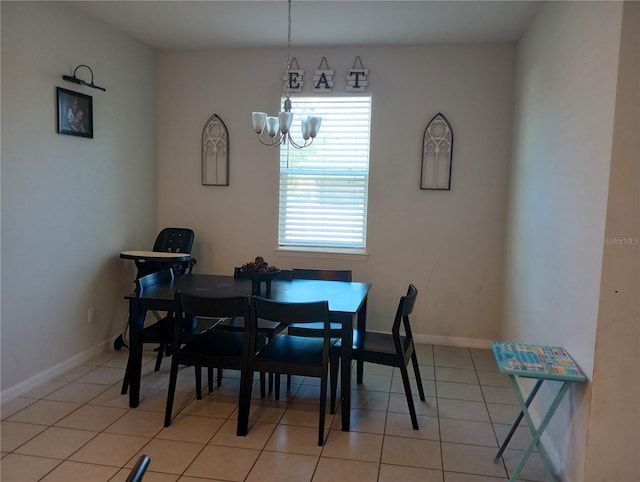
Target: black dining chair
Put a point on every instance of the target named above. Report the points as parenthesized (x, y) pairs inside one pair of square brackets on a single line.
[(138, 471), (266, 327), (213, 348), (315, 329), (286, 354), (161, 331), (395, 350)]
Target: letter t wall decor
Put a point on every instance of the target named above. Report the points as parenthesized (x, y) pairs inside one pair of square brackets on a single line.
[(437, 151)]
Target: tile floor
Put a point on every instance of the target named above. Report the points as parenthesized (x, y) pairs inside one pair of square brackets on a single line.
[(77, 427)]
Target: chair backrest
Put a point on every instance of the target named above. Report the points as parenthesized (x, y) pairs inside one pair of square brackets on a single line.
[(323, 274), (192, 306), (153, 279), (137, 473), (210, 307), (290, 312), (405, 308), (174, 240)]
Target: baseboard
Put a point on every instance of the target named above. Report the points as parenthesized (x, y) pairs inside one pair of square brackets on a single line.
[(453, 341), (45, 376), (26, 385)]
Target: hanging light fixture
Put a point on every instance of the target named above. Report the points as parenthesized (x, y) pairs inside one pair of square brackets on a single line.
[(278, 128)]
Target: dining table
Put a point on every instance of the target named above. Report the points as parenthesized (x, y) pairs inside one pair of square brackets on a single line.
[(344, 298)]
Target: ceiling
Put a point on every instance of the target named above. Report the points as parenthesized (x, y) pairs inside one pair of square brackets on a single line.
[(185, 24)]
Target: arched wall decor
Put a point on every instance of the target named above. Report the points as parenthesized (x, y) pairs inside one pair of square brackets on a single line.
[(437, 155), (215, 153)]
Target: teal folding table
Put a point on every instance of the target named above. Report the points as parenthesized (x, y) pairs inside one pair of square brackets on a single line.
[(542, 363)]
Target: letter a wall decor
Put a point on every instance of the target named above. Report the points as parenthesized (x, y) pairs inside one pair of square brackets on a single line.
[(437, 152), (323, 77)]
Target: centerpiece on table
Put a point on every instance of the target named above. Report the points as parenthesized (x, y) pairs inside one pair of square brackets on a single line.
[(258, 271)]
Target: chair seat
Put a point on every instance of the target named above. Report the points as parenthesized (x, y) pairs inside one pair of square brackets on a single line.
[(269, 328), (163, 327), (218, 342), (314, 329), (379, 343), (293, 349)]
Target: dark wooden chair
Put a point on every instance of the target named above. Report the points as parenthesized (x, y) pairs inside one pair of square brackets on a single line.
[(161, 331), (387, 349), (138, 471), (315, 329), (286, 354), (266, 327), (213, 348)]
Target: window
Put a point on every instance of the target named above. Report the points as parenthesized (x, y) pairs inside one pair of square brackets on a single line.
[(324, 187)]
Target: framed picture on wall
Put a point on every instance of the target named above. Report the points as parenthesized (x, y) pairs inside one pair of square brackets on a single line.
[(75, 113)]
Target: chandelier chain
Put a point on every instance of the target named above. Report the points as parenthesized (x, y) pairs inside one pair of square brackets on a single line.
[(288, 49), (260, 119)]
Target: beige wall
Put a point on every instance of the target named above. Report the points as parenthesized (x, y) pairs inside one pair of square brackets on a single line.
[(559, 187), (449, 244), (69, 204), (613, 441)]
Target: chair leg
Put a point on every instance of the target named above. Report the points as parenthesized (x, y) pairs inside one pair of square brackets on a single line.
[(407, 392), (288, 382), (159, 357), (210, 378), (198, 370), (244, 402), (276, 382), (414, 361), (173, 378), (323, 406), (219, 378), (334, 368), (360, 371), (125, 381), (263, 383)]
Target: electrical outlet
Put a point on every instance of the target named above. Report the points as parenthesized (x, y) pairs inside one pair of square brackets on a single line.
[(91, 315)]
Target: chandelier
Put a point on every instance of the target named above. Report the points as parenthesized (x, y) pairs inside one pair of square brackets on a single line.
[(277, 129)]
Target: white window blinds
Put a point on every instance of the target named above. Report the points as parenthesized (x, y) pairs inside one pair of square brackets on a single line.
[(324, 187)]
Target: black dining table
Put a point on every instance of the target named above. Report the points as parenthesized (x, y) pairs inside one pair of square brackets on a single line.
[(345, 298)]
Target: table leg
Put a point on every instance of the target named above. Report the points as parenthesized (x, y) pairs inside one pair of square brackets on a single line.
[(362, 327), (518, 420), (345, 374), (536, 433), (134, 364)]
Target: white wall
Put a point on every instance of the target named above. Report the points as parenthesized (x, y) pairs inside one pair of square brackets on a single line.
[(69, 204), (448, 243), (565, 98), (613, 440)]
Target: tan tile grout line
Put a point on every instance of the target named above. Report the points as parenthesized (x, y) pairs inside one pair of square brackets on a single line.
[(289, 402)]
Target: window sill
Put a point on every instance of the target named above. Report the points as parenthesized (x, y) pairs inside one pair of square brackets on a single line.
[(317, 252)]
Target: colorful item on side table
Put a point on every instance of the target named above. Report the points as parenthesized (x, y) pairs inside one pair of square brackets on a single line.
[(543, 363)]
